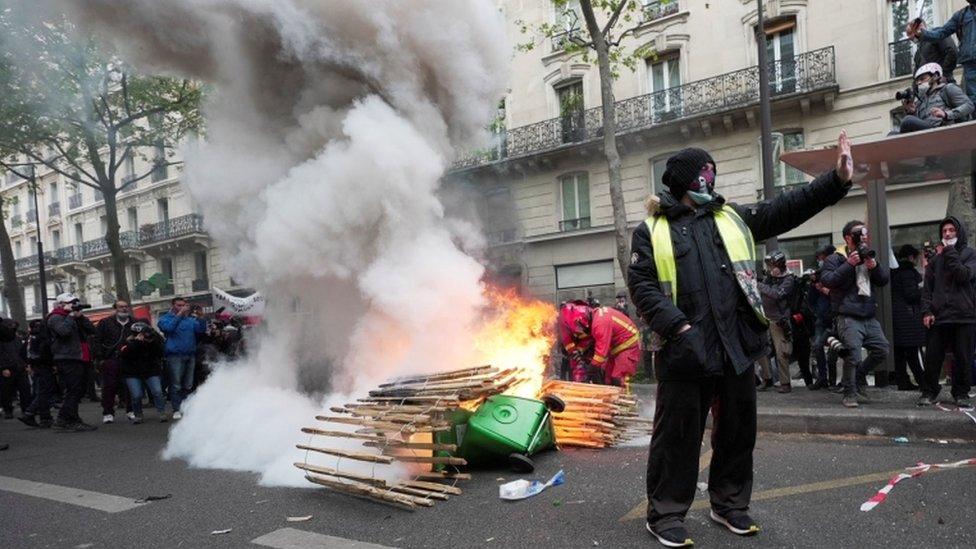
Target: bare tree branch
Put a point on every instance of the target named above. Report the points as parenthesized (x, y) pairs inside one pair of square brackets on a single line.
[(614, 16)]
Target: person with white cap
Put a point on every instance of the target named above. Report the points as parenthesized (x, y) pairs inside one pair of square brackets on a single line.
[(68, 330), (937, 102)]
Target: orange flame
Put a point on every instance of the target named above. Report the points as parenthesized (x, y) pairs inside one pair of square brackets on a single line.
[(518, 335)]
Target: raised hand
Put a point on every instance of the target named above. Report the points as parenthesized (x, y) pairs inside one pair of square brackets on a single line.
[(845, 161)]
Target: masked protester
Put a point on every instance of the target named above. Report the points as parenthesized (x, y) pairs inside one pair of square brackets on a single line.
[(949, 312), (963, 25), (112, 331), (692, 279)]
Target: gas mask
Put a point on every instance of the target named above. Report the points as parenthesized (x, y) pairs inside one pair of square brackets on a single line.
[(702, 190)]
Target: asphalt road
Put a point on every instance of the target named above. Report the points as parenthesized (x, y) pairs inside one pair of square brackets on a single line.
[(807, 494)]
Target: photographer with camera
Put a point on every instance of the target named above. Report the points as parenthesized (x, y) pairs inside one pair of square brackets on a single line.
[(68, 330), (949, 312), (182, 325), (850, 280), (963, 25), (934, 102), (141, 359), (776, 290)]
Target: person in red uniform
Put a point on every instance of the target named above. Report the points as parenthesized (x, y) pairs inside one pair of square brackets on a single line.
[(603, 338)]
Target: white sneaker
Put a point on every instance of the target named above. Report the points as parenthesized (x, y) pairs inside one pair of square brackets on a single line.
[(107, 418), (177, 415), (131, 416)]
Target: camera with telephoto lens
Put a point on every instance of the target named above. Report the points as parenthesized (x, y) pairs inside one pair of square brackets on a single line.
[(835, 346), (865, 253), (79, 306), (905, 95), (928, 250)]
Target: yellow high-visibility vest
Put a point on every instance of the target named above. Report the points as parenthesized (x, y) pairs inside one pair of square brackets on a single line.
[(739, 245)]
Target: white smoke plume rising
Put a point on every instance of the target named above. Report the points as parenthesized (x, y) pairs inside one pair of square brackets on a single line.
[(329, 127)]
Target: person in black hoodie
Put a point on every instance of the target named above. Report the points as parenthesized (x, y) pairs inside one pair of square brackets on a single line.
[(708, 311), (13, 371), (142, 357), (949, 312), (906, 318)]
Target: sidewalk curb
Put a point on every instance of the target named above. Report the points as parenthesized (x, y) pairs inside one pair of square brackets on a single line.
[(911, 422)]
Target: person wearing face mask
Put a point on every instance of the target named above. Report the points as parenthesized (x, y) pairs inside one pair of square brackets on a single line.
[(937, 103), (776, 291), (111, 334), (949, 312), (692, 278), (963, 25)]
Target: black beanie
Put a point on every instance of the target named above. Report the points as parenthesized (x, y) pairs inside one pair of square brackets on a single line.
[(683, 168)]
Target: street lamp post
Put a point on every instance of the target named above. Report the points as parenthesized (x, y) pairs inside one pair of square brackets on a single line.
[(765, 117), (42, 277)]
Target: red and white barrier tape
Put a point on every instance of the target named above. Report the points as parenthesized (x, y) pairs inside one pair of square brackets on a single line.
[(967, 411), (916, 471)]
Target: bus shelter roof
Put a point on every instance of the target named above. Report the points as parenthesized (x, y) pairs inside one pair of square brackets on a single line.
[(930, 155)]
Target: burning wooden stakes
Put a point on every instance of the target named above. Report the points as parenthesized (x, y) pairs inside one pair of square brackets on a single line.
[(596, 416), (395, 424)]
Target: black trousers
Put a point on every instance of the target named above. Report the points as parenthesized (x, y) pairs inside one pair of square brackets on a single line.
[(801, 353), (959, 339), (73, 377), (907, 358), (45, 390), (679, 424), (16, 385)]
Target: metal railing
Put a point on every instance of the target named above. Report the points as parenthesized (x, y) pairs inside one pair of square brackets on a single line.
[(200, 285), (658, 9), (16, 221), (574, 224), (167, 290), (74, 201), (173, 228), (30, 262), (94, 248), (68, 254), (803, 73), (901, 55), (54, 209)]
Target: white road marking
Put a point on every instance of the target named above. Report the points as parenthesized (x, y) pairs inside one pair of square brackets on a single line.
[(65, 494), (291, 538)]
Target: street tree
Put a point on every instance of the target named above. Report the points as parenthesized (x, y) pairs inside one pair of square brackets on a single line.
[(79, 110), (12, 291), (605, 26)]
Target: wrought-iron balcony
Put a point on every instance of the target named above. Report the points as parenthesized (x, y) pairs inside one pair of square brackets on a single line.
[(99, 247), (902, 57), (68, 254), (31, 216), (16, 221), (658, 9), (29, 263), (200, 285), (74, 201), (167, 291), (54, 209), (803, 74), (574, 224), (174, 235)]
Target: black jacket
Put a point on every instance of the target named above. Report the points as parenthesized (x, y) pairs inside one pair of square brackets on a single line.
[(777, 292), (943, 52), (906, 306), (948, 290), (141, 358), (841, 277), (109, 337), (67, 333), (11, 357), (724, 326), (820, 307)]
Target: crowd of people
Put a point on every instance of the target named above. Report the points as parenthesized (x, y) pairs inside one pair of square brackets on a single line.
[(60, 359)]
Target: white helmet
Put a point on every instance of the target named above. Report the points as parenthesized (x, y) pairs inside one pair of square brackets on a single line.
[(931, 68), (67, 297)]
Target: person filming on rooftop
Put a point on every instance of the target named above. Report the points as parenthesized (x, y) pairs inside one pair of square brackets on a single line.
[(935, 103)]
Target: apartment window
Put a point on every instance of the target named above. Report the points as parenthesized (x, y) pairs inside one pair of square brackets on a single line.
[(664, 85), (788, 175), (79, 234), (160, 169), (580, 275), (33, 243), (18, 249), (133, 216), (574, 192), (658, 165), (656, 9), (56, 238), (570, 97), (130, 166), (15, 208), (568, 19), (200, 264), (166, 266), (901, 50), (162, 210), (53, 194), (781, 53), (103, 224), (135, 273), (107, 279)]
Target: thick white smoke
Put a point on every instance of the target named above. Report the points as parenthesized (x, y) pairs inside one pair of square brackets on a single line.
[(329, 126)]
